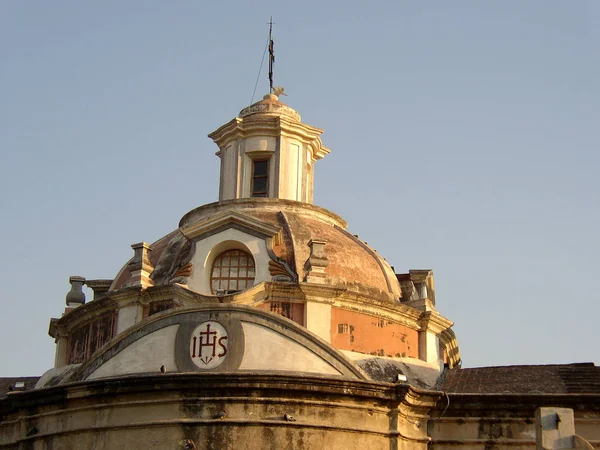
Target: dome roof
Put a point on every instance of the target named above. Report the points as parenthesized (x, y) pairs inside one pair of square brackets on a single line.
[(270, 106), (351, 263)]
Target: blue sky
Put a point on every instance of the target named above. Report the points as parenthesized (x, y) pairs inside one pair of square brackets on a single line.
[(464, 138)]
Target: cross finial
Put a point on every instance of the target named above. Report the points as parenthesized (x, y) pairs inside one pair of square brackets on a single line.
[(271, 55)]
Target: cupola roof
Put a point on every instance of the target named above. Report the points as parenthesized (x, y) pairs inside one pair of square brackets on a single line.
[(270, 106)]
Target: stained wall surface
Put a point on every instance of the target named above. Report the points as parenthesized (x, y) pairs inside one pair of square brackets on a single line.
[(361, 333), (210, 412)]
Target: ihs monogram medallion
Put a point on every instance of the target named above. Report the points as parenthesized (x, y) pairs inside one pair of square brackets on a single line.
[(208, 345)]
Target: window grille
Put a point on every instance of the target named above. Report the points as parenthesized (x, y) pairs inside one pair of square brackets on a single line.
[(232, 271)]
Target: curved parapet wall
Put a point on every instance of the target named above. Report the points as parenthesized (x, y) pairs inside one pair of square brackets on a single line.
[(224, 411), (244, 411), (217, 338)]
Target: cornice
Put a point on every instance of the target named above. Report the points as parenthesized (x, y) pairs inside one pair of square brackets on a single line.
[(275, 205), (413, 412), (417, 403), (344, 297), (206, 227), (115, 300), (448, 340), (83, 313), (433, 322), (332, 295), (270, 126)]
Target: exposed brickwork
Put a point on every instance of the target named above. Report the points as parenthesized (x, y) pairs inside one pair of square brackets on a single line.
[(289, 310), (371, 335)]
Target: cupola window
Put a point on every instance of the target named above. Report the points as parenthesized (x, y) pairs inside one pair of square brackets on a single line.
[(232, 271), (260, 178)]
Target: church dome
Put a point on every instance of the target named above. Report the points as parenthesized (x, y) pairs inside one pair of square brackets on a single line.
[(349, 262), (266, 250)]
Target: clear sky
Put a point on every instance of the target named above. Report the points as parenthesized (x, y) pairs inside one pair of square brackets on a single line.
[(464, 137)]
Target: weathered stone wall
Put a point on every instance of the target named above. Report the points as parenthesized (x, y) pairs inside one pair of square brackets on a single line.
[(222, 412), (505, 421)]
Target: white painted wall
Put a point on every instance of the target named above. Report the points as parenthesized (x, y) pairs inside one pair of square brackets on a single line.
[(146, 354), (229, 172), (264, 349), (208, 249), (128, 316), (288, 177), (429, 347), (237, 158), (260, 143), (60, 357), (318, 319)]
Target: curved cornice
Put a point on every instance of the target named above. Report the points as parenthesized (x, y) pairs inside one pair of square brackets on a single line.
[(270, 204), (279, 324), (114, 300)]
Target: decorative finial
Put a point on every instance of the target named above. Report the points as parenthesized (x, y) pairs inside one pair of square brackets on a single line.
[(278, 90), (76, 296)]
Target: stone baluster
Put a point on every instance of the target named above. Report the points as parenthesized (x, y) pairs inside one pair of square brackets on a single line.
[(76, 296)]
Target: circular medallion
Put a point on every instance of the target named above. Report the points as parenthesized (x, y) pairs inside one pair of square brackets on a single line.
[(208, 345)]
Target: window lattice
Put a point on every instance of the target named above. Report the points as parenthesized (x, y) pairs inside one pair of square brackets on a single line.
[(87, 339), (232, 271)]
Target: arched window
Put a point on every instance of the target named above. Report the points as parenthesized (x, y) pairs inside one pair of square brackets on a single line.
[(232, 271)]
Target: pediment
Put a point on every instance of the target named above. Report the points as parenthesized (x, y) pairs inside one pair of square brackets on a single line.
[(218, 338), (230, 219)]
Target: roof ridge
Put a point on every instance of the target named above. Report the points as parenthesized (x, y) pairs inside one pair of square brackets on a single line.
[(578, 365)]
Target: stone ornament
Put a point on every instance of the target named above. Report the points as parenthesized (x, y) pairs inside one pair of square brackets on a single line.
[(208, 345), (76, 296)]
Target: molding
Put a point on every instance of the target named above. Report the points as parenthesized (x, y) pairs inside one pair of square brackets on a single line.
[(274, 126), (85, 313), (237, 314), (226, 220), (433, 322), (207, 211), (448, 339), (257, 155), (115, 300), (413, 413), (344, 298), (248, 225)]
